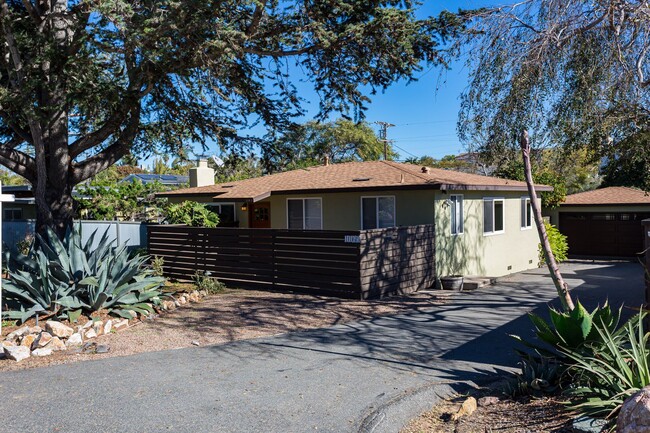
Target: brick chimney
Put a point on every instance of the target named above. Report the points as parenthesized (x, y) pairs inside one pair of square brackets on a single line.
[(201, 175)]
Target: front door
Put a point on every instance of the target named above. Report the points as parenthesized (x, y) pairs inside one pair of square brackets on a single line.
[(260, 215)]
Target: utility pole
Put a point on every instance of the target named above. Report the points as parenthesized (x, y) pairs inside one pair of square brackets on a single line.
[(383, 136)]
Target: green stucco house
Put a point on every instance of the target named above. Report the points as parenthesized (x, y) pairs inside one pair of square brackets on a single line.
[(483, 225)]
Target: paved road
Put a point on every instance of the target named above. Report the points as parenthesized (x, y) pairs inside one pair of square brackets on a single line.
[(322, 380)]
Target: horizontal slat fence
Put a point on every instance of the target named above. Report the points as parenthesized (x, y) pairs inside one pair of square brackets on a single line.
[(345, 264)]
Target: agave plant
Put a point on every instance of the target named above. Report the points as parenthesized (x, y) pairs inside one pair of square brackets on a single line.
[(575, 330), (61, 276), (619, 368)]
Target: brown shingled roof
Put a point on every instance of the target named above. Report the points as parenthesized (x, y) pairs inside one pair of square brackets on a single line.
[(614, 195), (371, 175)]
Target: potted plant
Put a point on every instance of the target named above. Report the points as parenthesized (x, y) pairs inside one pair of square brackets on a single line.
[(452, 282)]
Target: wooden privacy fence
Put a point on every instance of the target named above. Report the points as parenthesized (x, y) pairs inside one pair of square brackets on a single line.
[(348, 264)]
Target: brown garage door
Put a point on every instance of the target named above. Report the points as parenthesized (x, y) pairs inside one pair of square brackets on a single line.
[(616, 234)]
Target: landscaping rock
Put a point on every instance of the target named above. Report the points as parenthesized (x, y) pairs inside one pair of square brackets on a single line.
[(87, 325), (487, 401), (119, 324), (7, 343), (35, 330), (75, 340), (28, 340), (133, 314), (98, 327), (56, 344), (17, 353), (634, 416), (194, 297), (90, 333), (468, 407), (15, 335), (102, 348), (42, 351), (108, 326), (585, 424), (58, 329), (196, 343), (177, 303), (182, 300), (169, 305), (42, 340)]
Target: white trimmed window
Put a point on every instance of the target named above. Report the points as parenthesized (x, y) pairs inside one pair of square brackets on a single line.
[(305, 214), (493, 216), (377, 212), (456, 209), (526, 213)]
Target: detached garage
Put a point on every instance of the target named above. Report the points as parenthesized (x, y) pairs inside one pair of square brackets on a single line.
[(604, 222)]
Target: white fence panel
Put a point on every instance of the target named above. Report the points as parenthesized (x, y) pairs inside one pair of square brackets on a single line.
[(133, 233)]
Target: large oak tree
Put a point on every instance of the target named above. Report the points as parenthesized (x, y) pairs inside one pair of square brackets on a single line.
[(83, 83)]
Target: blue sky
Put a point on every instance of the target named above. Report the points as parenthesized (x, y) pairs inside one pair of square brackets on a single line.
[(424, 112)]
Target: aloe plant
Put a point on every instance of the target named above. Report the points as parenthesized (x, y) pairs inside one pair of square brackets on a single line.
[(60, 276)]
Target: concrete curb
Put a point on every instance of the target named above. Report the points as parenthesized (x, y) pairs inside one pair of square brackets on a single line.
[(391, 416)]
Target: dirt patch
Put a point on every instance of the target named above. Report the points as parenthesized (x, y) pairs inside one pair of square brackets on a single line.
[(234, 315), (522, 415)]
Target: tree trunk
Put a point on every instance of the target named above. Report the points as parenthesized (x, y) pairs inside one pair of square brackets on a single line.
[(560, 285)]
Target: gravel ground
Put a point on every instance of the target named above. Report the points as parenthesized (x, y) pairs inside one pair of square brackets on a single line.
[(507, 416), (234, 315)]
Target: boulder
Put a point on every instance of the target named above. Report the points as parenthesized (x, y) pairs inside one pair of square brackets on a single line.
[(42, 351), (56, 344), (17, 353), (121, 323), (75, 340), (108, 326), (467, 408), (90, 333), (42, 340), (634, 416), (28, 340), (58, 329)]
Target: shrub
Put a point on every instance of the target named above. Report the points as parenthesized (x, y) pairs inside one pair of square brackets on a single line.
[(558, 242), (538, 374), (61, 277), (157, 266), (618, 367), (204, 281), (192, 214)]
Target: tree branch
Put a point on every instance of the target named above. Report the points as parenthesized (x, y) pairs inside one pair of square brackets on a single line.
[(104, 159), (16, 161), (33, 13)]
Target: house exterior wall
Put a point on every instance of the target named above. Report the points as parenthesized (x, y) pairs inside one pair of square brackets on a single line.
[(471, 253), (342, 211), (476, 253)]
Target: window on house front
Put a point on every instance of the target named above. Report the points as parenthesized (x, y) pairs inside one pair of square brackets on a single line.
[(10, 214), (377, 212), (456, 208), (526, 213), (305, 214), (226, 212), (493, 215)]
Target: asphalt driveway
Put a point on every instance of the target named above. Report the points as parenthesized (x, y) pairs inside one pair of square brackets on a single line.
[(370, 375)]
